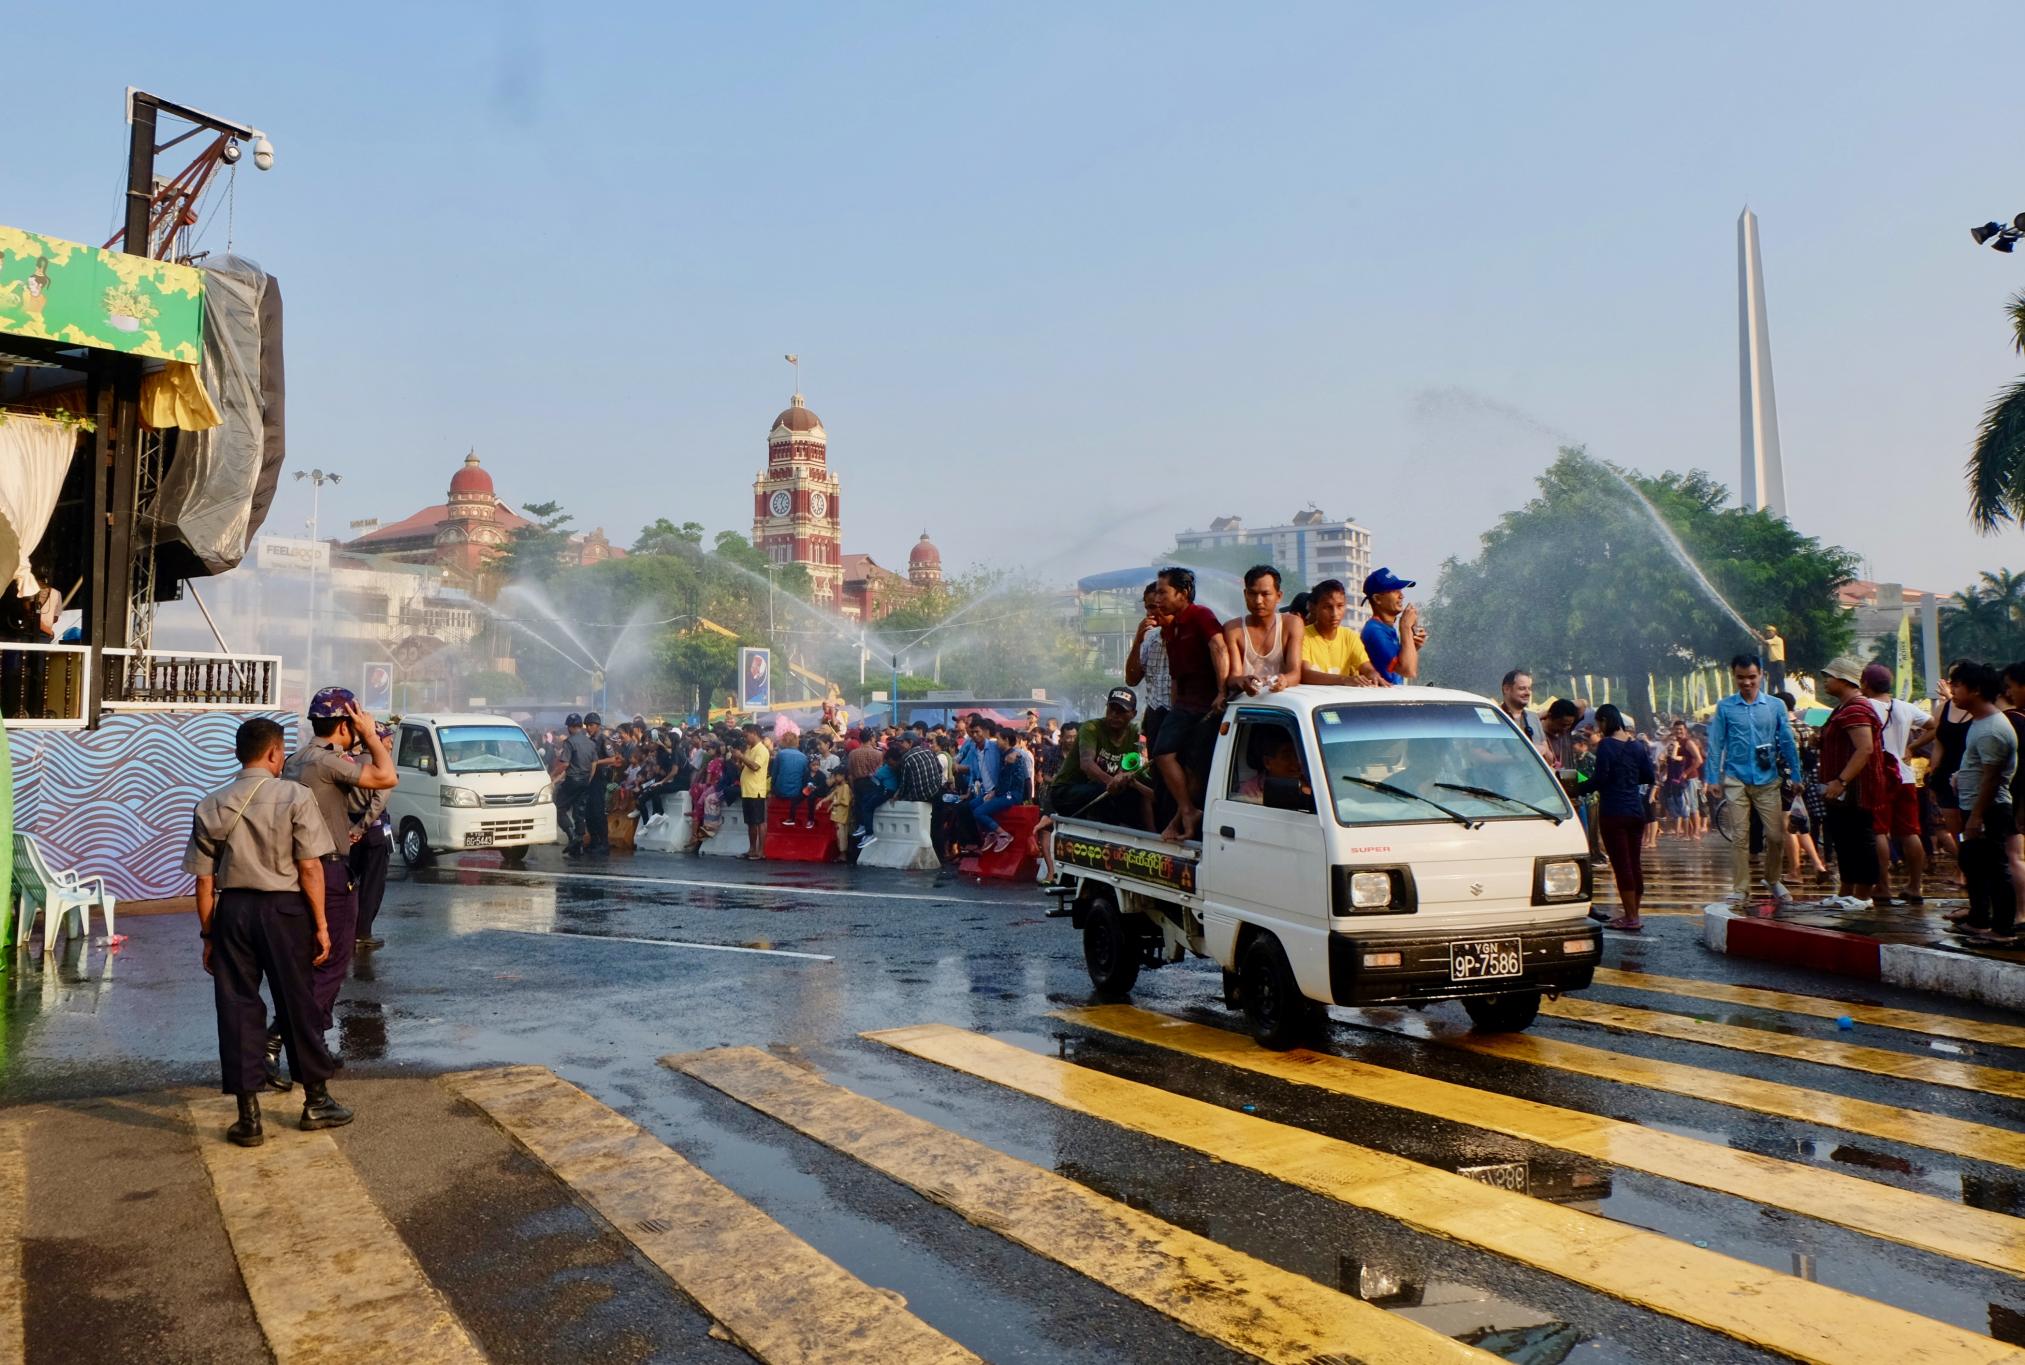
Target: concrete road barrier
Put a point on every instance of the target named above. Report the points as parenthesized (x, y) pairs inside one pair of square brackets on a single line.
[(902, 841), (729, 841), (671, 831)]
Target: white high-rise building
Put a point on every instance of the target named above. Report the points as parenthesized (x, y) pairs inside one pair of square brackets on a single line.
[(1310, 545), (1763, 485)]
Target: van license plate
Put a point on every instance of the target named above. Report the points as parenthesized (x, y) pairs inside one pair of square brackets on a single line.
[(1485, 959), (478, 838), (1505, 1175)]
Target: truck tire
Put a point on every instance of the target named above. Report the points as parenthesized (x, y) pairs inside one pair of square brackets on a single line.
[(1513, 1013), (1281, 1016), (414, 841), (1110, 948), (516, 856)]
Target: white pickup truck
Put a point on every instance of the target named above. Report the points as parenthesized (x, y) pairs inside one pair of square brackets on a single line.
[(1360, 846)]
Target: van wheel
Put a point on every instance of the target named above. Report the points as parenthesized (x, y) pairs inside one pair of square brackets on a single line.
[(414, 844), (1281, 1016), (1512, 1013), (515, 856), (1110, 948)]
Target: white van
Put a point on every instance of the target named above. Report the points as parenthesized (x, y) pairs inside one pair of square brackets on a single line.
[(1424, 852), (468, 781)]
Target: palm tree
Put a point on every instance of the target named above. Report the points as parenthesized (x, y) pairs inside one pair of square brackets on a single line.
[(2007, 589), (1975, 626), (1997, 464)]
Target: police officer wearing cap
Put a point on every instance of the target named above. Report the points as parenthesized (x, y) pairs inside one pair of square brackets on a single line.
[(324, 767), (576, 762), (597, 832), (257, 848), (372, 847)]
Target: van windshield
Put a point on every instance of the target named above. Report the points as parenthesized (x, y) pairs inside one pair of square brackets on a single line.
[(1391, 763), (488, 749)]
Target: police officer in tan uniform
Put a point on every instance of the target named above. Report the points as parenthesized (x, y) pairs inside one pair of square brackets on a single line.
[(372, 846), (257, 849), (323, 767)]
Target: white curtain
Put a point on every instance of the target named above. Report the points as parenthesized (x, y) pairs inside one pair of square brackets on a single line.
[(34, 453)]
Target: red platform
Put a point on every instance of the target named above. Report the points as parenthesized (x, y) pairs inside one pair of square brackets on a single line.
[(1018, 863), (799, 845)]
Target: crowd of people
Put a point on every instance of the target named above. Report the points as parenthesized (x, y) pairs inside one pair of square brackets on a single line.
[(1866, 802)]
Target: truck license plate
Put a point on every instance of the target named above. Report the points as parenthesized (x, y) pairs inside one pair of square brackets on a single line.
[(1505, 1175), (1485, 959)]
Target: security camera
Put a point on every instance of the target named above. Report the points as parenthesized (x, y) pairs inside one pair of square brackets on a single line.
[(231, 152), (263, 153)]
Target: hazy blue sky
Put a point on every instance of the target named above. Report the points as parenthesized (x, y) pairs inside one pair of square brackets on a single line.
[(1066, 278)]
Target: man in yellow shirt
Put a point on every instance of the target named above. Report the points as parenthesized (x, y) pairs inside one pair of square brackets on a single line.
[(1332, 656), (755, 783)]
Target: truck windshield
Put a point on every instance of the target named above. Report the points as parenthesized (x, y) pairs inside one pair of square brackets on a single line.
[(488, 749), (1391, 763)]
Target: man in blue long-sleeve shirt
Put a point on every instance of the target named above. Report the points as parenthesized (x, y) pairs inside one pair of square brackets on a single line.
[(1748, 738)]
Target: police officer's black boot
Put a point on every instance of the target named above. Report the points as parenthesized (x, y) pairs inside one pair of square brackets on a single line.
[(272, 1066), (319, 1110), (247, 1132)]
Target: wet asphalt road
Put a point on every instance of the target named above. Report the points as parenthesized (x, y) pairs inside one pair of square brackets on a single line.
[(485, 966)]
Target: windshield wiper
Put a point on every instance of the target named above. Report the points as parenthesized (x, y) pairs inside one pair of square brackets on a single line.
[(1489, 795), (1391, 790)]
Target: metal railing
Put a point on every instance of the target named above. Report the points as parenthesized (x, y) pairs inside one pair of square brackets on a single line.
[(164, 680), (44, 687)]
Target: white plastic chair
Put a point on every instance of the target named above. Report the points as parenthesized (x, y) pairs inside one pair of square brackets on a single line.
[(57, 894)]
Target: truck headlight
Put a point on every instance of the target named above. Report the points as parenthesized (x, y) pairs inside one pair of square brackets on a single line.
[(1370, 890), (1560, 879), (546, 796), (457, 796)]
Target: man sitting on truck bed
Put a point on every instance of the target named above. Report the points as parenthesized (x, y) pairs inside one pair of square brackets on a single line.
[(1094, 784)]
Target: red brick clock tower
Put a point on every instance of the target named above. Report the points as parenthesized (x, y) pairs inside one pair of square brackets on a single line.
[(796, 513)]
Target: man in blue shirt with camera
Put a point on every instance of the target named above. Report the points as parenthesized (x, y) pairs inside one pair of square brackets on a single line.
[(1749, 736)]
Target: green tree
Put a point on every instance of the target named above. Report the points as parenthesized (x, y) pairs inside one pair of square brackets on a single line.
[(1996, 470), (534, 552), (1580, 580), (664, 537)]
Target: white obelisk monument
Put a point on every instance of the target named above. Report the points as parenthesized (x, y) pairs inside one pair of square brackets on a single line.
[(1763, 487)]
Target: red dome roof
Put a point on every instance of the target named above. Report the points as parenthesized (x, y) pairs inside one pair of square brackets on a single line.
[(471, 479), (923, 553), (798, 417)]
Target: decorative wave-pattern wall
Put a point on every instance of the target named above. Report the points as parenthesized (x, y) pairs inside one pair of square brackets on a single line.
[(116, 801)]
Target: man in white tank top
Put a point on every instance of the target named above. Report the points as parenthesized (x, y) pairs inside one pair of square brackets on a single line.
[(1264, 647)]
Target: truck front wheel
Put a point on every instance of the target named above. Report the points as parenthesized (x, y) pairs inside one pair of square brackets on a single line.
[(1281, 1016), (1110, 948), (1512, 1013)]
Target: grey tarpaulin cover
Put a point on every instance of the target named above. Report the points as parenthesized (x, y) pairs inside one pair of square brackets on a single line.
[(217, 488)]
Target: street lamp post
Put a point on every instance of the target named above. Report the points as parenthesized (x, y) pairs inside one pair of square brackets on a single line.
[(317, 479)]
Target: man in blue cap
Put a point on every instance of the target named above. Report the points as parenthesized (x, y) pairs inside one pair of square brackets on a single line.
[(1393, 636), (323, 766)]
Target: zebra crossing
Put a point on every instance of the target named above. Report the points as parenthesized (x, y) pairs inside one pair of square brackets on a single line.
[(349, 1284)]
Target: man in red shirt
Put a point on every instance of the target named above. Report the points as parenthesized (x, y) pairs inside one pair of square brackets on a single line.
[(1197, 662), (1852, 778)]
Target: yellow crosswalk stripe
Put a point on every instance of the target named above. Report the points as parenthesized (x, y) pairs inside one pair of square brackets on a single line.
[(1888, 1122), (1905, 1216), (13, 1222), (1877, 1061), (1940, 1025), (777, 1296), (1244, 1303), (1780, 1313), (329, 1277)]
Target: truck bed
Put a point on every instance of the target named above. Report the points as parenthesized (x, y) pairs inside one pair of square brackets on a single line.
[(1129, 856)]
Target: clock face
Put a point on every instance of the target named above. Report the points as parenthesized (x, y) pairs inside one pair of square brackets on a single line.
[(781, 503), (819, 504)]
